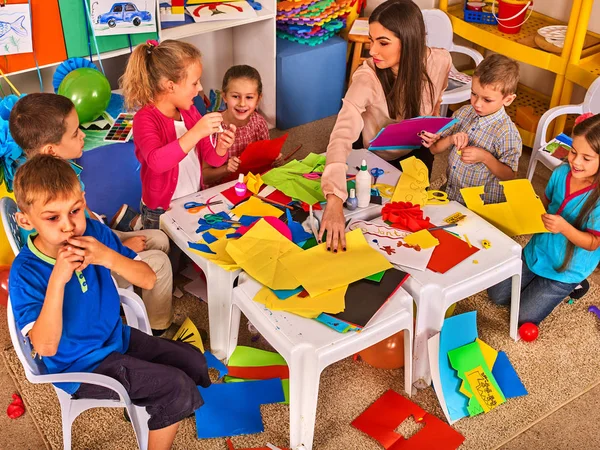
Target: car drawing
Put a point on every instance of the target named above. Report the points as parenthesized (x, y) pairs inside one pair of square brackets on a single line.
[(124, 12)]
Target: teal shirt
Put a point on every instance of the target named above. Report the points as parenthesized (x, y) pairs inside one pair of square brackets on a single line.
[(545, 251)]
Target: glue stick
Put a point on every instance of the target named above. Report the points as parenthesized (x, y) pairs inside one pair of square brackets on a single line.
[(363, 186)]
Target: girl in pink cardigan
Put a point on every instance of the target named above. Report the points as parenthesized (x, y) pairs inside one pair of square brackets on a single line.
[(171, 137)]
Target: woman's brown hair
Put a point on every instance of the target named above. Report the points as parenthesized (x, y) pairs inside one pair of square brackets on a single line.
[(404, 92), (590, 130), (149, 64)]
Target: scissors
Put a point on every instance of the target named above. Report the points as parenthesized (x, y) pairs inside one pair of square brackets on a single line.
[(195, 207), (437, 198), (213, 219), (376, 172)]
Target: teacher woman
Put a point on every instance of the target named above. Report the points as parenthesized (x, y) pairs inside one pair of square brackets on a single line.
[(404, 79)]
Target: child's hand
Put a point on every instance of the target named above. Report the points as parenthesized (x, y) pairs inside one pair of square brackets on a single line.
[(472, 155), (209, 124), (428, 139), (554, 223), (67, 262), (226, 139), (278, 161), (136, 243), (93, 252), (233, 164), (459, 140)]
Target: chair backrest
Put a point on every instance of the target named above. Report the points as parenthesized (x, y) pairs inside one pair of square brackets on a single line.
[(591, 103), (8, 208), (439, 29), (33, 366)]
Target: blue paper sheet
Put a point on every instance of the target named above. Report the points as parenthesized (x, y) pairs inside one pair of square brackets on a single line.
[(299, 234), (284, 294), (209, 238), (507, 378), (213, 363), (231, 409), (457, 331), (201, 247)]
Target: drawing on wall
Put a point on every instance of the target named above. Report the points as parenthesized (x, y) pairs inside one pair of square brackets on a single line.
[(221, 11), (15, 30), (112, 17)]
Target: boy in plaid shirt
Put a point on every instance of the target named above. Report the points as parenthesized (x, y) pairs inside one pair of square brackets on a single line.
[(485, 144)]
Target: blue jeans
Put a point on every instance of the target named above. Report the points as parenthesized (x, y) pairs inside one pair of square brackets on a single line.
[(150, 217), (539, 295)]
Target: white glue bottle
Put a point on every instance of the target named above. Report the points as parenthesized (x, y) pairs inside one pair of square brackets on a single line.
[(363, 186)]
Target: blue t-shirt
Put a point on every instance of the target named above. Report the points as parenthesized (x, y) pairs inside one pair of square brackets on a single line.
[(92, 326), (545, 252)]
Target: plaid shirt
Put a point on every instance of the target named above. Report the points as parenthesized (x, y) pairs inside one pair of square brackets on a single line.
[(495, 133), (255, 130)]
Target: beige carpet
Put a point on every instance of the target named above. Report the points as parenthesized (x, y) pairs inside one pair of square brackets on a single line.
[(560, 364)]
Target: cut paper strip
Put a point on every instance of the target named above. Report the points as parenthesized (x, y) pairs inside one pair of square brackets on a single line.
[(285, 294), (220, 256), (259, 372), (209, 238), (213, 363), (489, 354), (456, 331), (507, 377), (200, 247), (233, 198), (336, 324), (450, 251), (231, 409), (358, 262), (330, 301), (391, 409), (260, 155), (412, 183), (253, 182), (256, 207), (260, 253), (422, 239), (188, 332), (520, 214)]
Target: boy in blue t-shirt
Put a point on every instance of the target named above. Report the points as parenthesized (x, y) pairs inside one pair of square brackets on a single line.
[(64, 299)]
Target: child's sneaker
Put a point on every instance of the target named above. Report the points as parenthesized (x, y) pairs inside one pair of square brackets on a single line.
[(126, 219), (580, 290)]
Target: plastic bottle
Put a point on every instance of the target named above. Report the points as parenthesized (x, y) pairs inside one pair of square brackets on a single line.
[(363, 186), (240, 188), (352, 202)]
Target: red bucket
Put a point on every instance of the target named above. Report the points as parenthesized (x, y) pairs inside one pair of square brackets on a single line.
[(512, 14)]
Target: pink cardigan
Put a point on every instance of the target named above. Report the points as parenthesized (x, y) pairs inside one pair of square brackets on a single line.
[(157, 149)]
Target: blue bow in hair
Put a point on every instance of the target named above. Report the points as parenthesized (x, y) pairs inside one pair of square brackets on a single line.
[(11, 155)]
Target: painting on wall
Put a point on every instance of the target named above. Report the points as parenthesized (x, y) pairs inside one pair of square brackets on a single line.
[(15, 30), (111, 17), (221, 11)]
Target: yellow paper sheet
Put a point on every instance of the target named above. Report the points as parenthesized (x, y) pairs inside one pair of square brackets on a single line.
[(189, 333), (489, 354), (423, 238), (483, 390), (221, 233), (260, 251), (221, 257), (332, 302), (253, 182), (256, 207), (318, 270), (520, 214), (412, 183)]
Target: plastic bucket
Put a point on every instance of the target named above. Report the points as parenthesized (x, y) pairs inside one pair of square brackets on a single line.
[(512, 14)]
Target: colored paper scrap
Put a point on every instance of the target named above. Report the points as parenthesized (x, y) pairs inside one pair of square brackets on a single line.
[(244, 356), (520, 214), (357, 262), (507, 377), (336, 324), (285, 384), (299, 234), (279, 197), (213, 363), (259, 372), (422, 239), (253, 182), (489, 354), (258, 156), (260, 253), (289, 180), (200, 247), (376, 277), (391, 409), (188, 332), (433, 347), (219, 256), (233, 198), (456, 331), (450, 252), (483, 388), (330, 301), (287, 293), (256, 207), (231, 409), (413, 182), (209, 238)]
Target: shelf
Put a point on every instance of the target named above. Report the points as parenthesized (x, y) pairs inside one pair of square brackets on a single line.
[(194, 29), (585, 72)]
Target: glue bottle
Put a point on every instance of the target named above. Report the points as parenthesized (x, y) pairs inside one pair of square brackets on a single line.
[(363, 186), (240, 188), (352, 202)]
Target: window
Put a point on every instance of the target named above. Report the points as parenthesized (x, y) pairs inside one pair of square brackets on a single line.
[(118, 8), (129, 7)]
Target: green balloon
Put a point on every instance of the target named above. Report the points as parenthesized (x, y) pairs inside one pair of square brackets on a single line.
[(89, 90)]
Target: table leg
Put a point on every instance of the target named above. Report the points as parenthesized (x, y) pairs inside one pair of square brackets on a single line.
[(234, 330), (515, 303), (304, 393), (408, 361), (219, 287)]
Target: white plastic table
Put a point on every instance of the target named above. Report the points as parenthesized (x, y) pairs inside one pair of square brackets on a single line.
[(309, 346)]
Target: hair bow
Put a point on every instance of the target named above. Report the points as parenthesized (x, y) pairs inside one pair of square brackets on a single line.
[(152, 43), (583, 117)]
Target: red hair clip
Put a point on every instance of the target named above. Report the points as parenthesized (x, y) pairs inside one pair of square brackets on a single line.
[(583, 117), (152, 44)]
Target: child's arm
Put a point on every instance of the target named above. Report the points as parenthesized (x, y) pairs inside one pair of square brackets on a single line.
[(586, 240), (213, 175)]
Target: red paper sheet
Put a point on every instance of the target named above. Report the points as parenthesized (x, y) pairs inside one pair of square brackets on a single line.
[(230, 195), (450, 251), (259, 373), (280, 197), (381, 419), (259, 156)]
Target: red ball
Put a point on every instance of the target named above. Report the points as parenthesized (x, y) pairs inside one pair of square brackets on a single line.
[(529, 332)]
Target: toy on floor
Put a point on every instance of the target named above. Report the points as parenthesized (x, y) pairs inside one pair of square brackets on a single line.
[(595, 310), (16, 408), (529, 332)]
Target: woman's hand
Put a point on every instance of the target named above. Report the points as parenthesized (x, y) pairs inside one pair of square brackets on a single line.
[(428, 139), (333, 222)]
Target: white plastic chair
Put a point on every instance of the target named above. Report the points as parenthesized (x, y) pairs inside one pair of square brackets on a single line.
[(440, 35), (591, 103), (309, 346), (35, 371)]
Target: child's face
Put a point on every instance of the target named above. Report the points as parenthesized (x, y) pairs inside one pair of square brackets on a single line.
[(55, 221), (183, 93), (71, 144), (487, 100), (385, 47), (242, 97), (584, 161)]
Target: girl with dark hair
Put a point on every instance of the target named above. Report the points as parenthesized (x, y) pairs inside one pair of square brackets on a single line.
[(557, 263), (404, 79)]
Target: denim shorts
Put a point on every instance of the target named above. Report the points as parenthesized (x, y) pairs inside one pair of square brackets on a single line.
[(150, 217)]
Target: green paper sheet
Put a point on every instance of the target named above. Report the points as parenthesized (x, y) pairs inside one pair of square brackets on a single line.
[(253, 357), (289, 180), (376, 277)]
